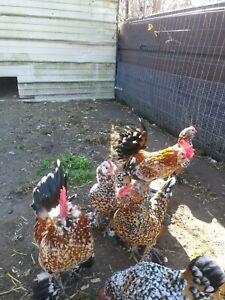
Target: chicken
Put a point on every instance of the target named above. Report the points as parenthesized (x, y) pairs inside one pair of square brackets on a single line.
[(61, 230), (131, 141), (187, 134), (102, 194), (150, 281), (104, 197), (139, 224), (148, 166)]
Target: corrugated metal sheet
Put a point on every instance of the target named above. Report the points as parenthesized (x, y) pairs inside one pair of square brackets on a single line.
[(59, 49)]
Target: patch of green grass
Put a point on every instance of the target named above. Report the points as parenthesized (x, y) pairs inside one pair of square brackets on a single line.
[(84, 296), (78, 168)]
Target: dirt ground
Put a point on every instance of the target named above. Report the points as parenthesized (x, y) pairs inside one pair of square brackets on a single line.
[(31, 132)]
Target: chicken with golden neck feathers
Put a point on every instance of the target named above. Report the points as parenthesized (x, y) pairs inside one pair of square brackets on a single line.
[(150, 281), (148, 166)]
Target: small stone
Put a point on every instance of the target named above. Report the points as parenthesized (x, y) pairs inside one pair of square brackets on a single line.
[(10, 211), (185, 181), (213, 161), (84, 287), (27, 272), (95, 280), (11, 153)]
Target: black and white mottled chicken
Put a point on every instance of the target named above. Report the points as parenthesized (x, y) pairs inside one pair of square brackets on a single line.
[(150, 281)]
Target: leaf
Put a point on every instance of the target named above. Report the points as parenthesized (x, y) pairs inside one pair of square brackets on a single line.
[(150, 27)]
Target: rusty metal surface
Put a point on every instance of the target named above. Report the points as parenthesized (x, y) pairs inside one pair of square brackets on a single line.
[(177, 40), (174, 74)]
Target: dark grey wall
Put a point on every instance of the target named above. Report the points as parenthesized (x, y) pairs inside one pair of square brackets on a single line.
[(174, 74)]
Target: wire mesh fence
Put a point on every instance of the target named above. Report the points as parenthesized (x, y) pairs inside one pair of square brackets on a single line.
[(131, 9), (171, 68)]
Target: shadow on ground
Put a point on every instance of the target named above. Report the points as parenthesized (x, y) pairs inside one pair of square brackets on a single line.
[(30, 132)]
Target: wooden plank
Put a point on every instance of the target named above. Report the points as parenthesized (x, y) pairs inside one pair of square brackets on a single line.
[(55, 25), (64, 78), (52, 90), (34, 51), (97, 2), (62, 5), (78, 12), (66, 85), (61, 47), (75, 68), (32, 46), (69, 97), (102, 57), (86, 38), (58, 69)]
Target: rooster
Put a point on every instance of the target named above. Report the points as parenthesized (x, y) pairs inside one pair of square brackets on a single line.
[(148, 166), (150, 281), (61, 231), (140, 223)]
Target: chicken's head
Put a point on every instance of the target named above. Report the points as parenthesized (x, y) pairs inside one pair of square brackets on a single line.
[(107, 168), (124, 190), (187, 134)]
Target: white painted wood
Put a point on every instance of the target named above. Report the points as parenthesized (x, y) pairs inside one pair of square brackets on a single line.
[(59, 48), (81, 10)]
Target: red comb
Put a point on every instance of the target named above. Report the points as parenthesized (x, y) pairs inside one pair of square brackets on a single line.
[(110, 165), (125, 190), (63, 203)]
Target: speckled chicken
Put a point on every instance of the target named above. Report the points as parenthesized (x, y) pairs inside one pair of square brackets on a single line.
[(103, 194), (104, 197), (139, 224), (148, 166), (150, 281), (61, 230)]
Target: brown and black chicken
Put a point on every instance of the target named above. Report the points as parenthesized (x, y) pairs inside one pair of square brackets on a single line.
[(150, 281), (140, 223), (61, 233), (148, 166)]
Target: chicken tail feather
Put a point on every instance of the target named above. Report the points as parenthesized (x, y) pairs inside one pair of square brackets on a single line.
[(46, 193), (131, 140), (204, 277), (168, 187)]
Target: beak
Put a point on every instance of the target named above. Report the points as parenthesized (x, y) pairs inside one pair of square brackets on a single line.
[(194, 129)]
